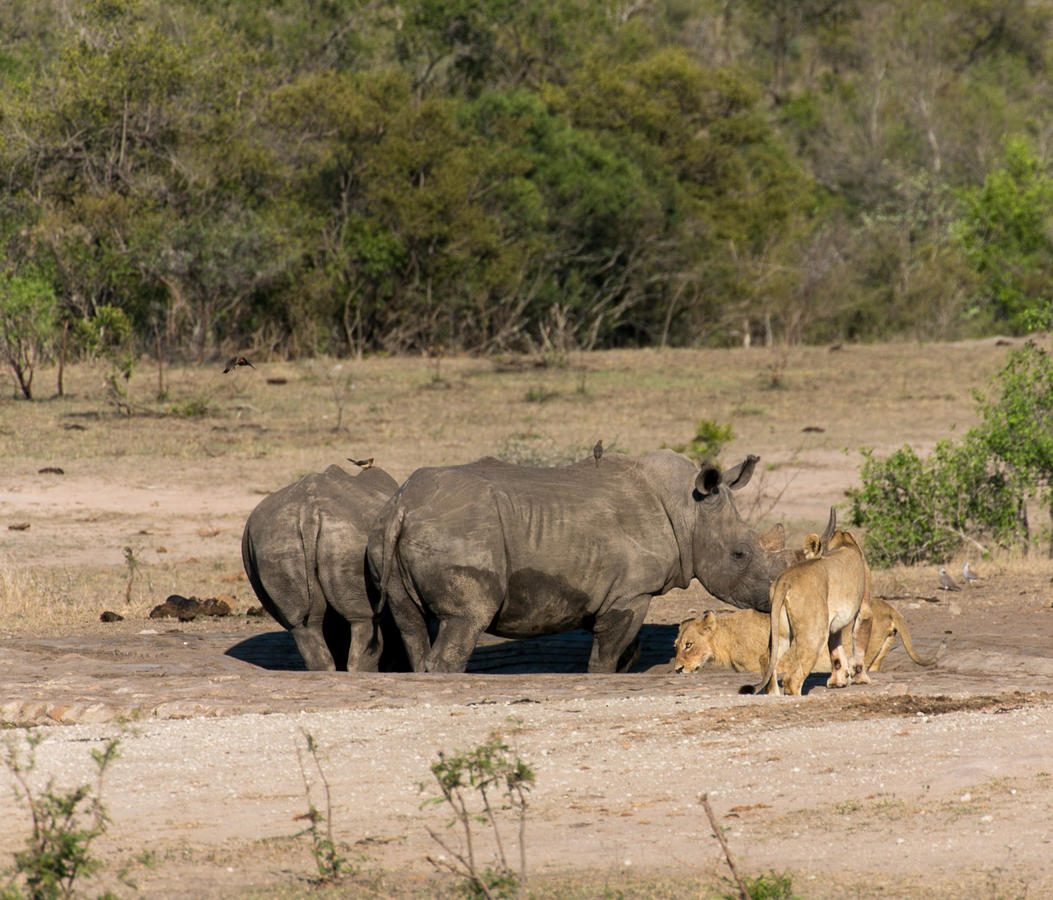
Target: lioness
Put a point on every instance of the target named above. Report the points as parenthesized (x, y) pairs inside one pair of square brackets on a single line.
[(821, 596), (739, 641)]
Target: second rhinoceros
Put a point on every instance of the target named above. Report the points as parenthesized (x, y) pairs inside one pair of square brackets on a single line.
[(518, 551), (304, 553)]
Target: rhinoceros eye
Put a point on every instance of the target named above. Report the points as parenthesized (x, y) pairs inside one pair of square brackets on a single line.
[(741, 553)]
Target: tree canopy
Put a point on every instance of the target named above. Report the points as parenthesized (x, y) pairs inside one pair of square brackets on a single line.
[(483, 175)]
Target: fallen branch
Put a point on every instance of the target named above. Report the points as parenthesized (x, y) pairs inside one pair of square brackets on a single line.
[(966, 537), (743, 890)]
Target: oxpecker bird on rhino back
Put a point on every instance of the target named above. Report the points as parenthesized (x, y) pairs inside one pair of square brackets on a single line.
[(304, 550), (518, 551)]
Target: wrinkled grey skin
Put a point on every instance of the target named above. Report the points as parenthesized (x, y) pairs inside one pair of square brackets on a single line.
[(518, 551), (304, 552)]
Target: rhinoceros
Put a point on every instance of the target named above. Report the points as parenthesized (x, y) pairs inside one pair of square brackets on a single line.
[(519, 552), (304, 552)]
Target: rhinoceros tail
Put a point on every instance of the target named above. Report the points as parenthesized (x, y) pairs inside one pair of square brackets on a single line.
[(392, 532), (248, 560), (310, 526)]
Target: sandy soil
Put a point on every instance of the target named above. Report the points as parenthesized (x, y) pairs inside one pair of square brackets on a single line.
[(928, 782)]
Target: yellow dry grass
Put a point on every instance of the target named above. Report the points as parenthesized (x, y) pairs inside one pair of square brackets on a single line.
[(806, 411)]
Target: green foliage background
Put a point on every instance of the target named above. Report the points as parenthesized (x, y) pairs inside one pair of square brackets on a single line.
[(303, 176), (977, 489)]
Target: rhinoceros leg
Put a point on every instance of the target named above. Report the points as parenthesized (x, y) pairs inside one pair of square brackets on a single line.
[(409, 622), (296, 610), (614, 633), (312, 646), (453, 645), (464, 601), (337, 634), (366, 647)]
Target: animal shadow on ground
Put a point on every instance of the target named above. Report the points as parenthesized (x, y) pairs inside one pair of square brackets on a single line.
[(567, 652)]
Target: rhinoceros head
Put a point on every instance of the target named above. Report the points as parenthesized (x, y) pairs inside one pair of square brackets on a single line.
[(729, 557)]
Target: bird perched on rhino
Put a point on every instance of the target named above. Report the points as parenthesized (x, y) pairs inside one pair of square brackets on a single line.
[(363, 463), (597, 451), (946, 582), (968, 574), (236, 361)]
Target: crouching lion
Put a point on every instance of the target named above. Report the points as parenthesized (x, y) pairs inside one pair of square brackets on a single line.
[(821, 596), (739, 641)]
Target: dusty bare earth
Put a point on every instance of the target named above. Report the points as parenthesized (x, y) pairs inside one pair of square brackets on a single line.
[(928, 782)]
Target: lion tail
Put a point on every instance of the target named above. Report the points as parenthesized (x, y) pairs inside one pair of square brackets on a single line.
[(776, 593), (908, 644)]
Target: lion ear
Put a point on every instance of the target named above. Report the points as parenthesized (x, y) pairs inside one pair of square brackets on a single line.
[(708, 619)]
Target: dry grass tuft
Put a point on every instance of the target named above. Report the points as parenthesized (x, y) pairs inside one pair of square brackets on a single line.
[(185, 471)]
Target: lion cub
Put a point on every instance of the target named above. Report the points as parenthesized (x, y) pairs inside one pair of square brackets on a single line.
[(819, 597)]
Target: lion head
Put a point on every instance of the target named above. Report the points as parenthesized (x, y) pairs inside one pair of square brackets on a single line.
[(694, 646)]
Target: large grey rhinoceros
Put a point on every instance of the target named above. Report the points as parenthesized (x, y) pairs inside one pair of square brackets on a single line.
[(304, 552), (519, 552)]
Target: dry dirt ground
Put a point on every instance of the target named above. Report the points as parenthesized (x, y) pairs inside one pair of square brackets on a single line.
[(928, 782)]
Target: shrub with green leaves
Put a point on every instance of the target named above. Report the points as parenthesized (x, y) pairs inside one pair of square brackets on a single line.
[(710, 438), (28, 323), (64, 824), (1017, 426), (921, 510), (108, 334), (332, 865), (477, 784), (770, 886)]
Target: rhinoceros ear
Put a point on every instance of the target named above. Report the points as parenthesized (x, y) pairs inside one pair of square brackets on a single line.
[(707, 481), (739, 476)]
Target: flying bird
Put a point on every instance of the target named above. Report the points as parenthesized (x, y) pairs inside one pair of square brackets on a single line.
[(946, 582), (362, 463), (968, 574), (236, 361), (597, 451)]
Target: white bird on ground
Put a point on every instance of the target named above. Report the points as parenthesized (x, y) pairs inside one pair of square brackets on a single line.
[(946, 582), (968, 574)]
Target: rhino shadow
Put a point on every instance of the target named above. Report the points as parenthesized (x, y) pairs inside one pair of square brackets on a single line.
[(567, 652)]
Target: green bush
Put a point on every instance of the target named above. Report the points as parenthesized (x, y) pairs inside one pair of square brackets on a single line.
[(975, 490), (770, 886), (1017, 426), (28, 321), (918, 510), (710, 438), (65, 824), (475, 785)]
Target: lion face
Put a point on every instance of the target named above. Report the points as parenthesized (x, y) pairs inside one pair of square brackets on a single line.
[(693, 643)]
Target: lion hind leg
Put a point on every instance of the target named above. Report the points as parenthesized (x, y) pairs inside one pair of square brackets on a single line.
[(800, 665), (807, 635), (861, 630), (838, 664), (883, 650)]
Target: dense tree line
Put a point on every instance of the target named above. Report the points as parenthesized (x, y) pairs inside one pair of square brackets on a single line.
[(307, 176)]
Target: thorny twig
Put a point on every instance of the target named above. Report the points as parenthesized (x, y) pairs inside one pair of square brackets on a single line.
[(743, 890)]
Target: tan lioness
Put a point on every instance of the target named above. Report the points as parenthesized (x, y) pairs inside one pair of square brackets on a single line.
[(739, 640), (820, 596)]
